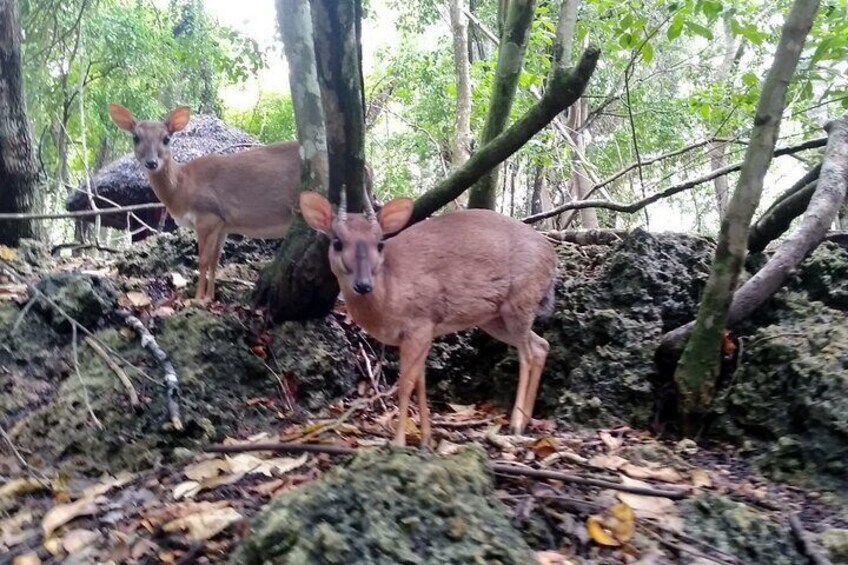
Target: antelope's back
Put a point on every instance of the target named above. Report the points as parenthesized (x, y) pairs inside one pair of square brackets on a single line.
[(471, 262)]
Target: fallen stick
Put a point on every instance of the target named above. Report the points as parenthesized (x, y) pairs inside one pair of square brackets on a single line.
[(122, 376), (502, 468), (805, 544), (85, 396), (172, 384)]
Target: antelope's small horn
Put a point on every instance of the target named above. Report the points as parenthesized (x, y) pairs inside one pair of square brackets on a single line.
[(369, 208), (343, 204)]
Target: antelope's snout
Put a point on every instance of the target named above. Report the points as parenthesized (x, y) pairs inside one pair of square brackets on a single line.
[(152, 164), (362, 286)]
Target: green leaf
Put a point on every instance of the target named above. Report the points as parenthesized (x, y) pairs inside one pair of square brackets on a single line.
[(647, 53), (675, 28), (750, 80), (698, 29)]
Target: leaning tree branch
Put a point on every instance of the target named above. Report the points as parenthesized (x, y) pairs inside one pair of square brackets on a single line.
[(670, 191), (824, 205), (777, 218), (564, 90), (82, 213)]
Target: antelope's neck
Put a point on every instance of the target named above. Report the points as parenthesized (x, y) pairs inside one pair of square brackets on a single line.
[(164, 184), (369, 311)]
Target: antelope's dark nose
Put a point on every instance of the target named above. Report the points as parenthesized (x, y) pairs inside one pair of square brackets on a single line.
[(362, 287), (152, 164)]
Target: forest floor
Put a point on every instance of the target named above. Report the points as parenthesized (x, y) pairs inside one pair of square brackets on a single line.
[(704, 501)]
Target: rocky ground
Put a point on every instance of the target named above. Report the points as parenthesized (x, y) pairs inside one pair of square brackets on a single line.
[(91, 475)]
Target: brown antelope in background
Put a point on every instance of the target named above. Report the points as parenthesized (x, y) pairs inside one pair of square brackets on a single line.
[(443, 275), (249, 193)]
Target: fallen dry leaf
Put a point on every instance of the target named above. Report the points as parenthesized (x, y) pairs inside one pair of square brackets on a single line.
[(612, 443), (17, 292), (613, 528), (186, 489), (447, 447), (552, 558), (20, 487), (610, 462), (78, 539), (138, 299), (659, 509), (545, 447), (204, 524), (60, 515), (13, 529), (701, 479), (250, 464), (7, 253), (665, 474), (206, 469), (29, 558), (178, 281), (107, 485)]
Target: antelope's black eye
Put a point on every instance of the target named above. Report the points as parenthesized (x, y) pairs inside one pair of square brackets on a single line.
[(380, 246), (167, 140), (337, 244), (136, 139)]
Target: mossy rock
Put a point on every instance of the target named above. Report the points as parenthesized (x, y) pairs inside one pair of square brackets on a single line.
[(835, 543), (389, 506), (177, 252), (790, 395), (824, 275), (739, 530), (217, 373), (85, 298)]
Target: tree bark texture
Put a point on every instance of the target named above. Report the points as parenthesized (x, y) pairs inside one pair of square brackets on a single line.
[(580, 183), (298, 283), (566, 24), (698, 368), (776, 219), (563, 91), (824, 204), (18, 172), (462, 125), (516, 31), (338, 30)]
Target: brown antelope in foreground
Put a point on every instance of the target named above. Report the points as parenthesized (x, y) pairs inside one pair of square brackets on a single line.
[(443, 275), (249, 193)]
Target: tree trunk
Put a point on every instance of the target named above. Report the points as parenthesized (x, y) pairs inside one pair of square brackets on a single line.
[(298, 284), (519, 16), (581, 185), (564, 90), (699, 365), (18, 173), (717, 149), (461, 150)]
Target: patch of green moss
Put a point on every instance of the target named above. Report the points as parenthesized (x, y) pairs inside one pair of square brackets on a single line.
[(389, 506), (737, 529)]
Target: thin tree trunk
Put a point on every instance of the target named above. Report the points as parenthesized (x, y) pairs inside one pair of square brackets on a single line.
[(18, 172), (461, 150), (298, 283), (717, 150), (581, 184), (699, 365), (778, 217), (519, 16), (564, 90)]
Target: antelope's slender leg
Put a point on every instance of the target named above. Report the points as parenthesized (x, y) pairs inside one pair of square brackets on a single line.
[(413, 356), (202, 243), (213, 267), (423, 409), (539, 347)]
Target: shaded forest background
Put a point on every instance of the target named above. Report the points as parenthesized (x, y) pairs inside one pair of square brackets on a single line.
[(675, 91)]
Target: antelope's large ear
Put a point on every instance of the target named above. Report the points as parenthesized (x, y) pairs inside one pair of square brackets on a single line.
[(316, 211), (121, 117), (395, 214), (178, 119)]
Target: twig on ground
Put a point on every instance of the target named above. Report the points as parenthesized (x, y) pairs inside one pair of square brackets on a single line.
[(805, 544), (75, 348), (354, 406), (76, 246), (371, 375), (23, 314), (502, 468), (122, 376), (38, 475), (172, 384)]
